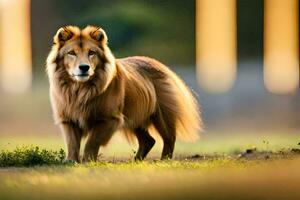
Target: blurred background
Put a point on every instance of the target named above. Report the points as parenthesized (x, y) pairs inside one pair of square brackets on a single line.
[(240, 57)]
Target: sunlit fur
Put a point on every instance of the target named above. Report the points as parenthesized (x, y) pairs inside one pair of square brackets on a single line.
[(133, 95)]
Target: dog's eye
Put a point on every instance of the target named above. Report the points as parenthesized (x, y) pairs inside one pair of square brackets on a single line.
[(91, 53), (72, 53)]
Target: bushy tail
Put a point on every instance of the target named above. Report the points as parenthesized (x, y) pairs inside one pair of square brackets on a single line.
[(176, 100), (189, 123)]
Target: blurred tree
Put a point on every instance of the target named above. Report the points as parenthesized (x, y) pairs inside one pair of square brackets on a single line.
[(250, 30)]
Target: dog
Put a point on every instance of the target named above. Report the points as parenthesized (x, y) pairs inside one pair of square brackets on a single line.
[(93, 95)]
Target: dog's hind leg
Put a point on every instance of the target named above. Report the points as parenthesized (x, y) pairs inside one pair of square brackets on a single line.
[(146, 142), (168, 149), (167, 130)]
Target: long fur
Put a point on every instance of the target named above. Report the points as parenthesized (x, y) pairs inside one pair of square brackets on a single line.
[(134, 93)]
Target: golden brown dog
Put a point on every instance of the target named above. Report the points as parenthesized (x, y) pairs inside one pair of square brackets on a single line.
[(94, 95)]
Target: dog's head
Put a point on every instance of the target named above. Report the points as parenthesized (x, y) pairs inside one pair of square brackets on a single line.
[(82, 54)]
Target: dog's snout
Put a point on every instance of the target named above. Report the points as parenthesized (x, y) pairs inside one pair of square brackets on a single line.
[(84, 68)]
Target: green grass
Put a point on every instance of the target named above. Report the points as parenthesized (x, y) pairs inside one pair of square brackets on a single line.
[(28, 156)]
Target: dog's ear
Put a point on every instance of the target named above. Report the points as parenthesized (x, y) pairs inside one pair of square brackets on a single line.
[(97, 34), (63, 35)]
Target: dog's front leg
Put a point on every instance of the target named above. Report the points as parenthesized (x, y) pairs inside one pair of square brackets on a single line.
[(99, 135), (73, 135)]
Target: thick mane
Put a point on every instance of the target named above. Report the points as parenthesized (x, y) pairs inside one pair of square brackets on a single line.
[(73, 91), (56, 70)]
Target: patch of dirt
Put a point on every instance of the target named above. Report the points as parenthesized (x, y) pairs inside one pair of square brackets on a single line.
[(248, 154)]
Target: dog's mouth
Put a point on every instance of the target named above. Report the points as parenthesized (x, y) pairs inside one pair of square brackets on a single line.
[(81, 77)]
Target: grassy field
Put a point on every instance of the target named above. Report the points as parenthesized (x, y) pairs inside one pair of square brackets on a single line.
[(215, 179), (213, 168)]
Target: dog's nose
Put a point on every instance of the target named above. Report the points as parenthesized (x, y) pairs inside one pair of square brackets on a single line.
[(84, 68)]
